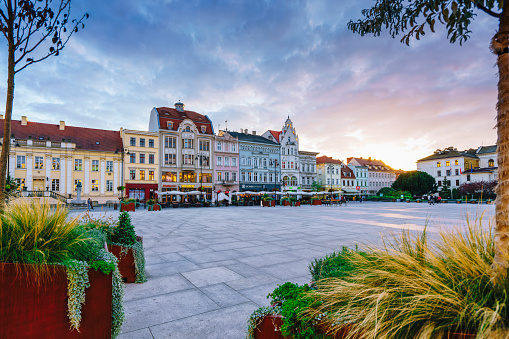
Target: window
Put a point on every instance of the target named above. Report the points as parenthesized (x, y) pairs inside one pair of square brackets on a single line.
[(255, 176), (95, 185), (457, 182), (109, 166), (132, 174), (21, 183), (169, 125), (151, 158), (151, 143), (448, 172), (204, 145), (219, 176), (439, 173), (439, 183), (447, 163), (76, 183), (242, 161), (169, 176), (234, 162), (150, 175), (468, 177), (234, 147), (77, 164), (284, 166), (187, 177), (188, 129), (456, 172), (142, 158), (132, 158), (456, 162), (328, 181), (170, 159), (226, 161), (142, 174), (20, 161), (55, 163), (249, 176), (255, 162), (203, 129), (219, 146), (491, 163), (439, 164), (55, 185), (243, 176), (95, 165), (133, 142), (170, 142), (188, 159), (234, 176), (39, 162), (249, 161), (109, 185), (188, 143), (219, 161), (142, 142)]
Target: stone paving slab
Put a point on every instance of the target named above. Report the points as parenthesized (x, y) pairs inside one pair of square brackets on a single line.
[(209, 268)]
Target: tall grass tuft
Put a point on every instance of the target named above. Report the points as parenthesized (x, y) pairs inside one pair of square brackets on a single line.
[(416, 287), (34, 233)]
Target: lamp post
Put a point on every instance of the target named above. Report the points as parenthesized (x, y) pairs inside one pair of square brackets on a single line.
[(331, 169), (275, 177), (200, 157)]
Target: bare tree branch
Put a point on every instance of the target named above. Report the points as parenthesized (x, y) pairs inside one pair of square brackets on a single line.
[(486, 10)]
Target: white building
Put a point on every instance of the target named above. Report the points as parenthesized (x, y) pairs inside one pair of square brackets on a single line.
[(379, 174), (361, 178)]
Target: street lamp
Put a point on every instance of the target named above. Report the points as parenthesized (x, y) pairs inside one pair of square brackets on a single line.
[(200, 156), (275, 176), (331, 169)]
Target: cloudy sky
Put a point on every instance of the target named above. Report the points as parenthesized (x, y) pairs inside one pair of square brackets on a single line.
[(254, 63)]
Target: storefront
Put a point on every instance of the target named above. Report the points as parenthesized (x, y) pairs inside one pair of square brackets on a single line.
[(141, 192)]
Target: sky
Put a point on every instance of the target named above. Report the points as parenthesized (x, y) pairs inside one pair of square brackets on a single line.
[(254, 63)]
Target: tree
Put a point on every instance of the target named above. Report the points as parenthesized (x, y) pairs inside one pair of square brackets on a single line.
[(412, 19), (416, 182), (445, 192), (34, 30), (479, 189), (316, 186)]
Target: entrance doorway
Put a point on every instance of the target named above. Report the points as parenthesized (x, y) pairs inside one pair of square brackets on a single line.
[(38, 184)]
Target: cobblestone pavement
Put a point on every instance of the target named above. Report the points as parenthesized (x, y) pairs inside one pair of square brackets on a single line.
[(209, 268)]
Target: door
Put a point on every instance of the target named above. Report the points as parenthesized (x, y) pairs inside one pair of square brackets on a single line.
[(38, 185)]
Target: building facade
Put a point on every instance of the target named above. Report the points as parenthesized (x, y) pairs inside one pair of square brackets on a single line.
[(348, 181), (55, 158), (226, 163), (186, 140), (379, 174), (329, 173), (141, 164), (361, 178), (307, 169), (258, 162)]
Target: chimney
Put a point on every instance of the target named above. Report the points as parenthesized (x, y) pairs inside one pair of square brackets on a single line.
[(1, 116), (62, 125), (246, 131), (24, 120), (254, 132)]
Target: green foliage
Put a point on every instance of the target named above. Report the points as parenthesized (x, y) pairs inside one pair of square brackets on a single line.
[(265, 197), (445, 192), (415, 182), (316, 186), (336, 264), (34, 233), (413, 287), (139, 262), (391, 193), (123, 233), (294, 301), (103, 266), (77, 282), (413, 18)]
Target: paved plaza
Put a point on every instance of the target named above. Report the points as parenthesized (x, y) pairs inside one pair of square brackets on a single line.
[(209, 268)]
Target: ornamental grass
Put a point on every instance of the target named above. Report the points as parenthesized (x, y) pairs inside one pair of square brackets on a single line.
[(416, 287)]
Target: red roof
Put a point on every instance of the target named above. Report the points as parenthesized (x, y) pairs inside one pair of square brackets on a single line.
[(346, 170), (167, 114), (275, 134), (85, 138), (327, 160), (372, 164)]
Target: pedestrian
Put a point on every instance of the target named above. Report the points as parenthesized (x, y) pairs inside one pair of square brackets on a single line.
[(429, 199), (89, 204), (360, 200), (439, 199)]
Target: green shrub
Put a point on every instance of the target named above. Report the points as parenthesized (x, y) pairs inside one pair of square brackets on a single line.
[(336, 264), (123, 233)]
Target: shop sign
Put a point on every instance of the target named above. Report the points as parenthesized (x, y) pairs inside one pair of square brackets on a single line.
[(187, 186), (169, 186)]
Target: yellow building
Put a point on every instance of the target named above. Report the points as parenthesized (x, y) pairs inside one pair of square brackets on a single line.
[(54, 158), (141, 163)]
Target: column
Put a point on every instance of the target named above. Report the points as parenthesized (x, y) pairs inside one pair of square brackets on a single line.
[(48, 170), (86, 184), (28, 181), (70, 183), (115, 176), (62, 176), (12, 164), (103, 173)]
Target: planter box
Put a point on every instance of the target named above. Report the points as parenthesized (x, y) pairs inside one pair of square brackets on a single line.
[(316, 202), (30, 309), (269, 203), (129, 207), (125, 261), (269, 328), (156, 207), (296, 204), (286, 203)]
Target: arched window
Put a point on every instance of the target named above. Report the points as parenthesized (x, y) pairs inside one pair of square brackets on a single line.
[(285, 180), (249, 161), (294, 181), (491, 163)]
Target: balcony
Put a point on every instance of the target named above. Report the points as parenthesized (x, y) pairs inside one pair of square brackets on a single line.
[(188, 166), (226, 182)]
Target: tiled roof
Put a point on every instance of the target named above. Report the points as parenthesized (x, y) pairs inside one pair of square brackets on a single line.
[(176, 117), (346, 170), (275, 134), (85, 138), (252, 138), (372, 164), (487, 149), (327, 160), (449, 154)]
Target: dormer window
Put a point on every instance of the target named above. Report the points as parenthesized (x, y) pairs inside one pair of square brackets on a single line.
[(203, 129), (169, 124), (188, 129), (491, 163)]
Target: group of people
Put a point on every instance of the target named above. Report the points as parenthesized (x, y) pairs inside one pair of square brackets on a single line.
[(433, 199)]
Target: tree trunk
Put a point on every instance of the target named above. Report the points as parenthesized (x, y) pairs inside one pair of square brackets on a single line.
[(499, 46), (7, 120)]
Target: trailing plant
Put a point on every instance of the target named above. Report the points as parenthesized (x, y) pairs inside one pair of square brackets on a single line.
[(77, 282), (257, 317), (416, 288)]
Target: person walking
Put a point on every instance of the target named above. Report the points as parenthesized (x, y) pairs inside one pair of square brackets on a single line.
[(89, 204), (429, 199)]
